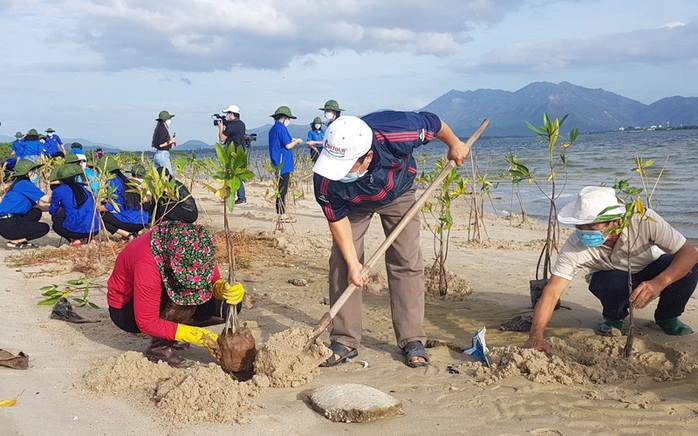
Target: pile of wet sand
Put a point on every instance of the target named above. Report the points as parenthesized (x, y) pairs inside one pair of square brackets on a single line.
[(204, 393), (585, 360)]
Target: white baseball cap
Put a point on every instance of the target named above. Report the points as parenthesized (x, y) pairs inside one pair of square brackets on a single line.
[(591, 202), (232, 108), (346, 140)]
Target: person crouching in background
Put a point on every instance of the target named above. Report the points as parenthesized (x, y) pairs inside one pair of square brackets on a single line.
[(73, 207), (19, 214)]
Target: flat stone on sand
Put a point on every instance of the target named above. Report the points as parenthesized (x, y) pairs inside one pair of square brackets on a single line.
[(352, 402)]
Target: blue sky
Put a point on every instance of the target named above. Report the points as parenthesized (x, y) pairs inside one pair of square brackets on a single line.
[(103, 69)]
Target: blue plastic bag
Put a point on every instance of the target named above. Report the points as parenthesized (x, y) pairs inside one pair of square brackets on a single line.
[(478, 347)]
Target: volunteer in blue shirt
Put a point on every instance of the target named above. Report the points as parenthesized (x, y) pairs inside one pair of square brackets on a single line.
[(76, 148), (131, 217), (315, 138), (73, 207), (281, 154), (367, 168), (92, 181), (32, 148), (17, 145), (53, 147), (19, 216)]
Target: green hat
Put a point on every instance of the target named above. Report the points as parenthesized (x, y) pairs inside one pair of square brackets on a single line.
[(283, 110), (164, 116), (42, 136), (185, 255), (32, 132), (107, 164), (54, 174), (317, 120), (24, 166), (19, 135), (50, 130), (67, 171), (331, 105), (71, 157), (76, 145), (138, 170)]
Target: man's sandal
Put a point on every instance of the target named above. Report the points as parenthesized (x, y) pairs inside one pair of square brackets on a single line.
[(340, 350), (412, 350)]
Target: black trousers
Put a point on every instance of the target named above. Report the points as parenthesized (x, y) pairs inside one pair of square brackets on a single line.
[(25, 226), (112, 224), (611, 288), (57, 227), (284, 180)]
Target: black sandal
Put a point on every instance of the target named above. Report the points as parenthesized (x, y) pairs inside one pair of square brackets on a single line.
[(340, 350), (415, 349)]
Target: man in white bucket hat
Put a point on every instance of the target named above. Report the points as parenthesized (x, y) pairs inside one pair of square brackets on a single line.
[(366, 167), (663, 264)]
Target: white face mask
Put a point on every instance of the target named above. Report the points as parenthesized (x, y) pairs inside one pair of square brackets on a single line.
[(168, 122), (330, 115), (287, 122), (317, 126), (50, 134)]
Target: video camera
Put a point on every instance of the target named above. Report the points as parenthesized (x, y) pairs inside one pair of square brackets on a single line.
[(218, 118), (249, 139)]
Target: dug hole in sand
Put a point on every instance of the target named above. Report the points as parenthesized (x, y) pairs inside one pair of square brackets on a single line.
[(205, 393)]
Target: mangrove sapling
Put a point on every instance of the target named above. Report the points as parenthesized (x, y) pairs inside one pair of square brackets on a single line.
[(81, 286), (438, 207), (160, 190), (550, 135), (235, 344), (517, 172), (229, 170), (635, 209), (196, 166)]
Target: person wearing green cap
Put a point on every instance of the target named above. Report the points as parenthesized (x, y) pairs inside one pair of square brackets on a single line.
[(72, 207), (19, 216), (17, 145), (162, 142), (53, 145), (332, 110), (281, 155), (32, 148), (316, 136), (165, 284), (125, 214)]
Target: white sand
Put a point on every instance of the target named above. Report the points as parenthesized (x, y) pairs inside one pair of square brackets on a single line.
[(650, 396)]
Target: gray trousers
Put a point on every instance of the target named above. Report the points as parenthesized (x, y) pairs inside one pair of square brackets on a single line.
[(405, 268)]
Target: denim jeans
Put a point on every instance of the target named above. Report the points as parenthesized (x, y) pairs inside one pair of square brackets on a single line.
[(161, 159), (241, 191)]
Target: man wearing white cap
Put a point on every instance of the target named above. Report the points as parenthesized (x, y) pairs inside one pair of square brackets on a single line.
[(366, 167), (662, 262), (232, 131)]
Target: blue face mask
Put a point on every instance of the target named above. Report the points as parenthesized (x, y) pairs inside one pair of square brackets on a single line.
[(352, 177), (591, 238), (34, 179)]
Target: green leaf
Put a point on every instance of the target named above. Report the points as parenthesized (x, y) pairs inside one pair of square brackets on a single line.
[(48, 302), (48, 288), (92, 305)]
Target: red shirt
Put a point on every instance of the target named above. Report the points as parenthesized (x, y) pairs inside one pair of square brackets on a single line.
[(136, 277)]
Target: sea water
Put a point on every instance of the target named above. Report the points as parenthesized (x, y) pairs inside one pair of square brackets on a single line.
[(594, 159)]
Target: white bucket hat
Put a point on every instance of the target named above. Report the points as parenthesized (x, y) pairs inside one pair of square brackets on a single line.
[(232, 108), (346, 140), (590, 203)]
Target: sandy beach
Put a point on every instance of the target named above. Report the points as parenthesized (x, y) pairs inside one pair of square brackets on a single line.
[(585, 388)]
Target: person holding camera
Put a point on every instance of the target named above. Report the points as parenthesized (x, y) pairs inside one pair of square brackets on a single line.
[(231, 130), (162, 142)]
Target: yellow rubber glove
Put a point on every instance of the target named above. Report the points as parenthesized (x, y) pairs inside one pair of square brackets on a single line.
[(198, 336), (232, 294)]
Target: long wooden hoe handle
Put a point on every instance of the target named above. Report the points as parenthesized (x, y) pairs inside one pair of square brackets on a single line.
[(328, 316)]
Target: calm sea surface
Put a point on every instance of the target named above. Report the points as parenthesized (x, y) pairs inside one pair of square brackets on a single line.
[(592, 160)]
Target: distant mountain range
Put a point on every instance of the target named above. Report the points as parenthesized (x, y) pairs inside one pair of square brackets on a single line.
[(590, 110)]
